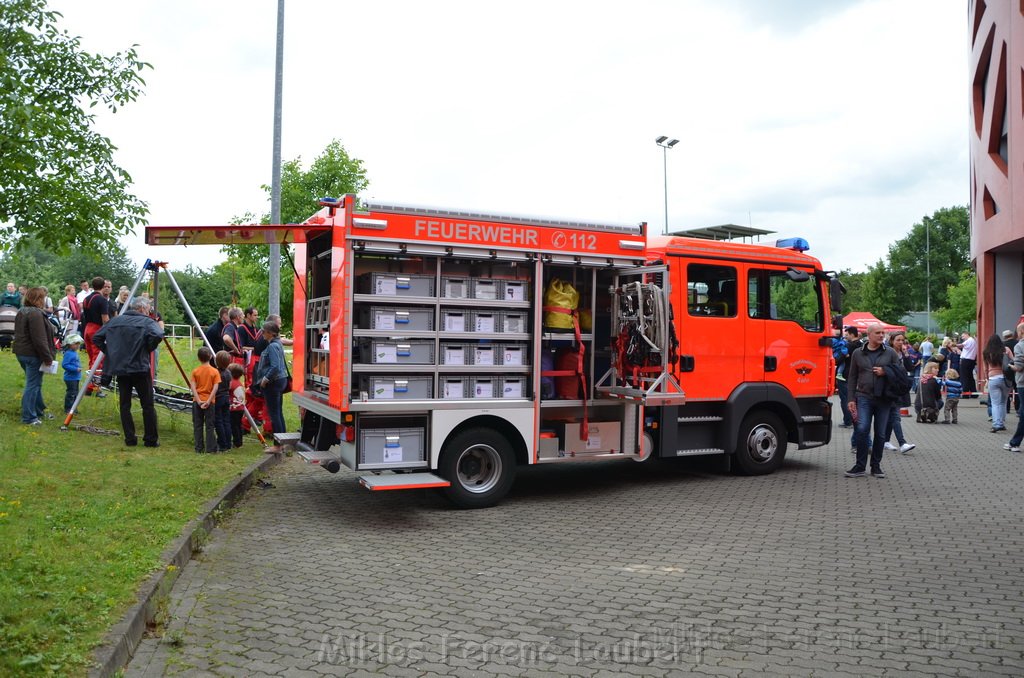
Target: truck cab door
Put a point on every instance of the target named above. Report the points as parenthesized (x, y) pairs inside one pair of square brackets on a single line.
[(710, 318), (787, 323)]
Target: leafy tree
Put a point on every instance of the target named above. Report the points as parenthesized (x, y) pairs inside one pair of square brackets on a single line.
[(58, 180), (962, 310), (334, 172), (944, 241), (36, 265), (853, 300), (879, 296)]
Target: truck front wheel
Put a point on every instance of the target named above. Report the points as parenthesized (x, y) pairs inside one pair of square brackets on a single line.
[(481, 467), (762, 444)]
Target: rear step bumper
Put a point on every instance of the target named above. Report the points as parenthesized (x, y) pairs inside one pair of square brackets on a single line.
[(402, 481)]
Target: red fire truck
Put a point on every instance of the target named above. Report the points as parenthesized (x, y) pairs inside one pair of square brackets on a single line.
[(439, 348)]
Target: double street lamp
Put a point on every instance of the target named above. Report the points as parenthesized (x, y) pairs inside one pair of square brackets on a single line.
[(666, 144)]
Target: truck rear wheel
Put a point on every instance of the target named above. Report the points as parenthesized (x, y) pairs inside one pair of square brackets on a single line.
[(481, 467), (762, 444)]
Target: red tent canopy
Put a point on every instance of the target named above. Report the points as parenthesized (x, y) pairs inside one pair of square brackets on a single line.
[(862, 320)]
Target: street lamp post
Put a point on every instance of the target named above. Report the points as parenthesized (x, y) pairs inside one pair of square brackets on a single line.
[(665, 144), (928, 273)]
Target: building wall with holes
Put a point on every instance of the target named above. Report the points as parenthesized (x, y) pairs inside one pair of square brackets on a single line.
[(997, 161)]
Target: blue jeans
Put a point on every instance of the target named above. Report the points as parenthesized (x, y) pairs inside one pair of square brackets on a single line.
[(869, 409), (1018, 434), (844, 397), (70, 393), (273, 397), (997, 395), (32, 406), (895, 425)]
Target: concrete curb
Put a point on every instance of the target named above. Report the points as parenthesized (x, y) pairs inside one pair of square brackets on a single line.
[(122, 640)]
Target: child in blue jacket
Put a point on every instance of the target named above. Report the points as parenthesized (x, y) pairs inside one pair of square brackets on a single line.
[(72, 369)]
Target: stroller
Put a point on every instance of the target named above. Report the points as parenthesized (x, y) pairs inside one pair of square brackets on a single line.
[(7, 314), (60, 328)]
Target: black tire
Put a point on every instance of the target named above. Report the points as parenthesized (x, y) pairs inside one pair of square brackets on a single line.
[(761, 445), (481, 467)]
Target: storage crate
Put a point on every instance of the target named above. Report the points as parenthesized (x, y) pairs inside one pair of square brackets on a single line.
[(514, 322), (485, 354), (455, 288), (486, 322), (392, 446), (397, 318), (398, 388), (485, 288), (398, 284), (390, 352), (456, 320), (484, 387), (452, 388), (515, 290), (456, 354), (515, 355), (512, 387), (603, 436)]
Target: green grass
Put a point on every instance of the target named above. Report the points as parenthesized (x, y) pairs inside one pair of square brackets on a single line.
[(83, 518)]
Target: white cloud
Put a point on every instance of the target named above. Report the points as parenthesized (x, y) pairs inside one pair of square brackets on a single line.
[(842, 122)]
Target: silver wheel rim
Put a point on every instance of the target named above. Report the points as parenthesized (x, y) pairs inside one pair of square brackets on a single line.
[(762, 443), (478, 469)]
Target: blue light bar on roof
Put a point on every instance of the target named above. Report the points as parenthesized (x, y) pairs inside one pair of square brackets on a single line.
[(795, 244)]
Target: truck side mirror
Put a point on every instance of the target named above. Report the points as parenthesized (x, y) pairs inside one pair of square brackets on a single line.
[(835, 295)]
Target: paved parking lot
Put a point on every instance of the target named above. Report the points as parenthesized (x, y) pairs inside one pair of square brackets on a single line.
[(621, 568)]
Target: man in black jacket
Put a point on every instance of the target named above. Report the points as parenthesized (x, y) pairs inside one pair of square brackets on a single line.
[(127, 341), (214, 333), (869, 400)]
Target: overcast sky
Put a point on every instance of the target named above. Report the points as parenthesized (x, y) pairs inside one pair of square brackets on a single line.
[(841, 121)]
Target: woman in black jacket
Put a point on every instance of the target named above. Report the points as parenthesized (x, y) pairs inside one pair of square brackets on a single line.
[(33, 344)]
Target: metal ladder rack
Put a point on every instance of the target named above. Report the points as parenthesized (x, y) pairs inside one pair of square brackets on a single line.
[(643, 309)]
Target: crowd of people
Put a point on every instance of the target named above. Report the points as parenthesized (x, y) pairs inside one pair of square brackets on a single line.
[(242, 368), (880, 377)]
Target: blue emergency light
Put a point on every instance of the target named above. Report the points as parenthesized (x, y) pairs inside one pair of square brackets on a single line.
[(795, 244)]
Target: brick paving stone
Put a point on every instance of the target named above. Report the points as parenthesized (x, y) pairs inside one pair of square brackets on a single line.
[(622, 569)]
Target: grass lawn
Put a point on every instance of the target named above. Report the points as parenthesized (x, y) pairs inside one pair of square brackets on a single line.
[(83, 518)]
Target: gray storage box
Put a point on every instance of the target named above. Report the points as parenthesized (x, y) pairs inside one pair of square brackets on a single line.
[(452, 388), (486, 322), (512, 387), (397, 318), (455, 288), (456, 320), (514, 322), (485, 288), (392, 352), (515, 290), (418, 387), (399, 284), (484, 387), (485, 354), (514, 355), (456, 354), (386, 447)]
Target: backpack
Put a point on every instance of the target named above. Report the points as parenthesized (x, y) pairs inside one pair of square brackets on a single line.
[(897, 382)]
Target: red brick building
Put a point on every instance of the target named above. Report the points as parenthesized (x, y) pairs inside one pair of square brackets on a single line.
[(997, 161)]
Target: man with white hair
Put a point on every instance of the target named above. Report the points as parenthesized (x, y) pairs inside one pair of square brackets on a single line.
[(868, 401), (127, 341), (968, 360)]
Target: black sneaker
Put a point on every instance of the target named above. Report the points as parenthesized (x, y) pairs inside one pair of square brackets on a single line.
[(878, 473), (855, 473)]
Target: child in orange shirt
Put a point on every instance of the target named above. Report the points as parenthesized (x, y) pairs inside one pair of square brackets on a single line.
[(237, 402), (205, 380)]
